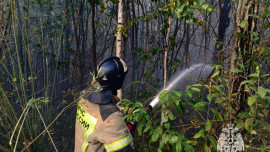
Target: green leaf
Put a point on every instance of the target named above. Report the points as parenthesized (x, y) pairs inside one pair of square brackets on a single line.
[(191, 142), (140, 126), (148, 126), (243, 115), (255, 34), (189, 148), (241, 35), (164, 96), (213, 141), (240, 125), (139, 104), (217, 71), (177, 93), (206, 149), (174, 139), (180, 135), (164, 140), (210, 97), (249, 124), (252, 100), (245, 82), (205, 6), (255, 39), (216, 87), (156, 134), (136, 117), (188, 93), (253, 111), (217, 114), (216, 38), (208, 125), (195, 89), (209, 9), (179, 147), (125, 117), (199, 134), (175, 100), (199, 2), (236, 71), (243, 23), (171, 116), (200, 104), (254, 15), (256, 75), (180, 109), (190, 21), (219, 45), (257, 69), (262, 92), (167, 125), (202, 109)]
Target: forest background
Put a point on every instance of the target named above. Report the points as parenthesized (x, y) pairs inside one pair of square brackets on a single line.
[(49, 47)]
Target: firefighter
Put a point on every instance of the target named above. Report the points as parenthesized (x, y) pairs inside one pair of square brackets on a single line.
[(99, 125)]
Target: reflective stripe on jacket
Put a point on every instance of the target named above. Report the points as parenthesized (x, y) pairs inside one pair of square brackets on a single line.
[(100, 128)]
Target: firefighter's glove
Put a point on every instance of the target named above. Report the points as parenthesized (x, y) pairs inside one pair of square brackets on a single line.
[(131, 126)]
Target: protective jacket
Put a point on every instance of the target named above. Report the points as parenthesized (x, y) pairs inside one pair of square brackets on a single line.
[(99, 125)]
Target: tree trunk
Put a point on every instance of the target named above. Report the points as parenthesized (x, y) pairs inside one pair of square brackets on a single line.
[(77, 42), (119, 37), (186, 51), (165, 63), (94, 57), (133, 46), (224, 22), (242, 50), (119, 29), (67, 41)]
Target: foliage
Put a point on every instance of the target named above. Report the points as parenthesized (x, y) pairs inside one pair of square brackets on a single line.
[(194, 119), (212, 112), (149, 127)]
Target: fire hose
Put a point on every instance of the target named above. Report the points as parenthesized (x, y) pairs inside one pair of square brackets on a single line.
[(204, 71)]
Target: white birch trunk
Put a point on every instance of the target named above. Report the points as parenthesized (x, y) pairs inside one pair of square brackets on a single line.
[(119, 36), (119, 29)]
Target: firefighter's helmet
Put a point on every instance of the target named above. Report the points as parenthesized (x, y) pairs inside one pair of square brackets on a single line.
[(113, 71)]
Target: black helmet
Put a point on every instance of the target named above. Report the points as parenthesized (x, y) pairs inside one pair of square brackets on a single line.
[(113, 71)]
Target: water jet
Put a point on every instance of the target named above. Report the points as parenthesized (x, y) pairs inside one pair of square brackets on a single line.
[(182, 78)]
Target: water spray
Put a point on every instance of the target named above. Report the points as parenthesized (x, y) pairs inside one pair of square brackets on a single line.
[(179, 79)]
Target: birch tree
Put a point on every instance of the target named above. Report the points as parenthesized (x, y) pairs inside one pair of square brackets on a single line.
[(119, 29), (119, 36)]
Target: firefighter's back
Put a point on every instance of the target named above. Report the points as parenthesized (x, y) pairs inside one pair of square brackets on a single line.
[(99, 127)]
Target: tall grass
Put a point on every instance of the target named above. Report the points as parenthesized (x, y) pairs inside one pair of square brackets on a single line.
[(26, 84)]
